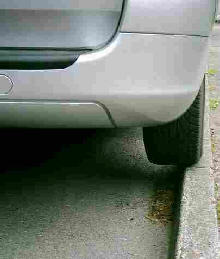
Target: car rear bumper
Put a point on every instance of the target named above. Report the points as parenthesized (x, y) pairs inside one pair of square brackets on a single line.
[(139, 79)]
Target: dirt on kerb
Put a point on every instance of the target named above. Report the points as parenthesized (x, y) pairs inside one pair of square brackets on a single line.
[(161, 207), (214, 104)]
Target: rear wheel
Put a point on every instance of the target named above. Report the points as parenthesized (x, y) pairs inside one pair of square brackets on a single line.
[(179, 142)]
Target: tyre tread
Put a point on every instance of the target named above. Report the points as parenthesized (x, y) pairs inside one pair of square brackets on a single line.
[(180, 141)]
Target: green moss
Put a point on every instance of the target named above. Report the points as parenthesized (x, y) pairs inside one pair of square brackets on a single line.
[(212, 87), (212, 71), (161, 207), (213, 103)]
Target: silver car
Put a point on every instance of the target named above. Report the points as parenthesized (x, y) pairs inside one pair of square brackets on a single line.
[(108, 64)]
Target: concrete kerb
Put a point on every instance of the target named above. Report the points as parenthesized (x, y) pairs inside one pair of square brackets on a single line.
[(198, 229)]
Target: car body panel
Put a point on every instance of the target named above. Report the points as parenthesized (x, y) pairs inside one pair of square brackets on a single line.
[(58, 24), (141, 61), (186, 17), (61, 4), (51, 29), (141, 79), (53, 114)]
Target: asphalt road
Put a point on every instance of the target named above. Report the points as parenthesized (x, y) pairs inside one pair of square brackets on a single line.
[(82, 194)]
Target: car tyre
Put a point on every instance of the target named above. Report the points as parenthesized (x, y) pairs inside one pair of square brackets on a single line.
[(178, 142)]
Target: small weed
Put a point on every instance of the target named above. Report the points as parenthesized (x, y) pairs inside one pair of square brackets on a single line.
[(213, 140), (161, 207), (213, 103), (213, 147), (216, 190), (212, 87), (212, 71), (218, 210)]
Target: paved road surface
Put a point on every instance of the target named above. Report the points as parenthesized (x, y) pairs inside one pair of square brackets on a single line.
[(80, 194)]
